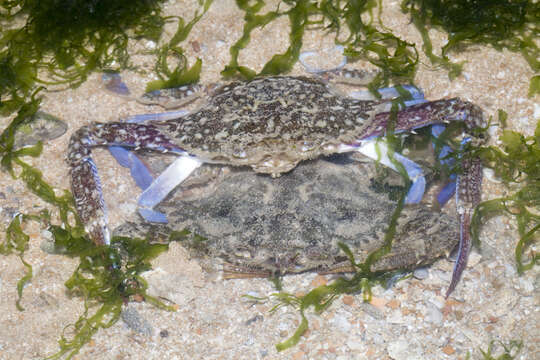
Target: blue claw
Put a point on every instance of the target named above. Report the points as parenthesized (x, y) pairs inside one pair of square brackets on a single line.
[(416, 192), (414, 171), (447, 192), (139, 172)]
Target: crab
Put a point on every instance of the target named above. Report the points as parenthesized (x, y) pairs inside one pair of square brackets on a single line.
[(269, 124)]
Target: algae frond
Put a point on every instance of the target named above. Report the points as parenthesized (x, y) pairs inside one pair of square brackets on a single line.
[(395, 57), (502, 24), (510, 350), (67, 41), (516, 163)]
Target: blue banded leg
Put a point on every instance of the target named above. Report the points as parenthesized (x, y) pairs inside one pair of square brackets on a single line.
[(469, 182), (449, 189), (85, 183), (155, 189), (139, 171)]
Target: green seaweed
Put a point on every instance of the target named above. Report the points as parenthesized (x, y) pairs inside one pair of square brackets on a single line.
[(181, 74), (107, 276), (502, 24), (511, 350), (516, 163), (395, 57), (534, 87), (68, 40)]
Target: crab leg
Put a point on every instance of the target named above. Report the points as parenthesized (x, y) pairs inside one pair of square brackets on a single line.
[(378, 150), (177, 172), (139, 171), (85, 181), (469, 182)]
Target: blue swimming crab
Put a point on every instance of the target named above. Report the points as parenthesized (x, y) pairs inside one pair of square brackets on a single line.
[(270, 124)]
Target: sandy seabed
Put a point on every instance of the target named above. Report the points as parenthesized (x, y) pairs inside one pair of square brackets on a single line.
[(409, 321)]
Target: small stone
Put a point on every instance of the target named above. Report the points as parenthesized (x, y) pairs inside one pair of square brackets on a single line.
[(397, 349), (378, 302), (319, 281), (134, 321), (421, 273), (395, 318), (47, 235), (526, 285), (356, 344), (164, 333), (341, 323), (393, 304), (298, 355), (448, 350), (373, 311), (434, 315), (348, 300), (254, 319), (474, 259)]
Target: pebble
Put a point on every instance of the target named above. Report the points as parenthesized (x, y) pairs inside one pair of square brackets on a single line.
[(341, 323), (348, 300), (356, 344), (421, 273), (474, 259), (372, 311), (130, 316), (404, 350), (526, 285), (434, 315), (448, 350), (395, 318), (378, 302), (393, 304), (319, 281)]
